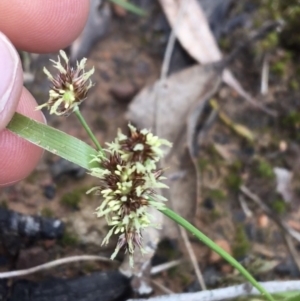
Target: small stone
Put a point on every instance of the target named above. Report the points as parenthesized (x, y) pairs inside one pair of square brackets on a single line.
[(287, 267), (224, 93), (226, 269), (142, 69), (29, 258), (49, 191), (263, 221), (49, 243), (123, 91), (212, 276), (214, 257), (4, 261), (239, 216), (208, 203), (64, 167), (283, 146)]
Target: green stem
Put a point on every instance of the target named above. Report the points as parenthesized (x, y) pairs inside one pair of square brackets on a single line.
[(207, 241), (87, 128), (130, 7)]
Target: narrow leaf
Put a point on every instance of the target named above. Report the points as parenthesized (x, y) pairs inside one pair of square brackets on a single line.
[(130, 7), (288, 296), (52, 140), (213, 246), (238, 128)]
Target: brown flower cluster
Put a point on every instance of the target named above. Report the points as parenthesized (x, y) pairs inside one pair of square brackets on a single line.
[(128, 180), (69, 87)]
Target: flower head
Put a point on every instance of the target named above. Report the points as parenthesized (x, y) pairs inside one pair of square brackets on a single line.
[(69, 86), (128, 182), (140, 146)]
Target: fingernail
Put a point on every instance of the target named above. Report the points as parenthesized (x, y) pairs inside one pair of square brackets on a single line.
[(9, 67)]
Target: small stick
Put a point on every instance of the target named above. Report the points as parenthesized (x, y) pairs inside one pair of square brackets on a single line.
[(193, 259), (264, 87), (52, 264), (231, 292), (269, 212), (164, 266), (284, 228), (162, 287), (166, 65), (245, 207)]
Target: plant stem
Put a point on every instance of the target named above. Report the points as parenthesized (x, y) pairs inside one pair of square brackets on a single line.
[(87, 128), (130, 7), (207, 241)]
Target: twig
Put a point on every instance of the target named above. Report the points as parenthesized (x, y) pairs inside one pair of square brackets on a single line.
[(255, 36), (264, 87), (245, 207), (166, 65), (292, 249), (160, 268), (162, 287), (230, 292), (169, 50), (262, 32), (165, 266), (239, 129), (269, 212), (283, 226), (163, 76), (52, 264), (295, 234), (193, 258)]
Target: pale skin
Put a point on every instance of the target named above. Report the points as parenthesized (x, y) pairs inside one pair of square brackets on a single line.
[(38, 26)]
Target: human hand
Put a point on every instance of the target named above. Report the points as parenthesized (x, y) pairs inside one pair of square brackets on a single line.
[(38, 26)]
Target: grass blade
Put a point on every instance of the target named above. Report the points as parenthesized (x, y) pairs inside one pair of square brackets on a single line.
[(52, 140), (130, 7), (207, 241)]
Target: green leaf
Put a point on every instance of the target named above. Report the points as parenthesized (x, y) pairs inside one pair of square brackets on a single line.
[(130, 7), (213, 246), (296, 297), (288, 296), (52, 140)]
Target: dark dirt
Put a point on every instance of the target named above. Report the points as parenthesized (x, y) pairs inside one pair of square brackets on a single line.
[(126, 60)]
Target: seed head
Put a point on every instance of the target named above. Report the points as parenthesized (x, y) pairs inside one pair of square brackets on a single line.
[(128, 182), (141, 146), (69, 86)]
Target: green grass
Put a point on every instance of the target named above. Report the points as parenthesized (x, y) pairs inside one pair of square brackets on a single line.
[(71, 199), (69, 239), (241, 245), (265, 170), (47, 212)]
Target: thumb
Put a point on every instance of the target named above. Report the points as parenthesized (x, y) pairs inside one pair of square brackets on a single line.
[(11, 80)]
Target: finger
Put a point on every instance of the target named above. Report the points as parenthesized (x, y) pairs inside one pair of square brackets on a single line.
[(43, 25), (11, 80), (17, 156)]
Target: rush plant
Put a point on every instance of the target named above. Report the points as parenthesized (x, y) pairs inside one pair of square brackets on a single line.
[(127, 169)]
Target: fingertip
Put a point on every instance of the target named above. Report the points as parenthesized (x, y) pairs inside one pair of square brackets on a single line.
[(27, 106), (11, 80), (43, 26), (19, 157)]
